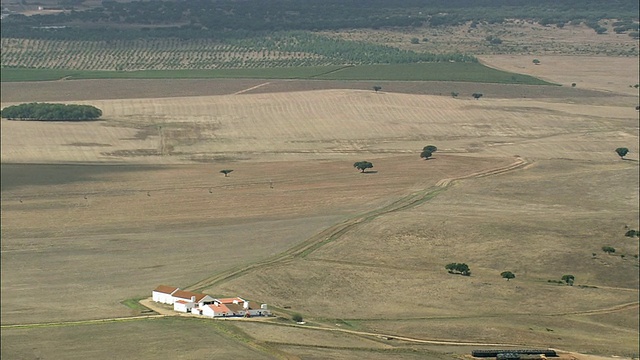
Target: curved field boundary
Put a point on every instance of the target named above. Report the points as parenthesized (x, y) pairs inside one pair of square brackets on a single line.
[(332, 233)]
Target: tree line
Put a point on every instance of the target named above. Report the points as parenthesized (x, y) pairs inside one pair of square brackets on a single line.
[(214, 18), (51, 112)]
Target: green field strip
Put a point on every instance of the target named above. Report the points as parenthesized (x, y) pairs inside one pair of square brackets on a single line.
[(465, 72)]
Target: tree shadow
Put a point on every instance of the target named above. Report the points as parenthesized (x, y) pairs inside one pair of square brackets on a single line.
[(634, 160), (370, 172)]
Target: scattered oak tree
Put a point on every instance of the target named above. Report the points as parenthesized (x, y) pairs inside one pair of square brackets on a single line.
[(476, 95), (428, 151), (622, 152), (632, 233), (226, 172), (362, 165), (536, 62), (377, 88), (608, 249), (296, 317), (569, 279), (430, 148), (508, 275), (458, 268)]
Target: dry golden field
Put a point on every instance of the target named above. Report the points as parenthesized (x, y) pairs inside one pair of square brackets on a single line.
[(525, 179)]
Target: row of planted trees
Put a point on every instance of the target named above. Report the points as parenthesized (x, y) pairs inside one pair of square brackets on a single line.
[(284, 49)]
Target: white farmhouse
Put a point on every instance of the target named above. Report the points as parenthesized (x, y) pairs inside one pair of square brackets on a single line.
[(216, 310), (202, 304), (185, 301), (163, 294)]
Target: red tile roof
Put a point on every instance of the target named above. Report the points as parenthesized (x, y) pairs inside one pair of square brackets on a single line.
[(219, 307), (166, 289), (230, 300), (182, 294)]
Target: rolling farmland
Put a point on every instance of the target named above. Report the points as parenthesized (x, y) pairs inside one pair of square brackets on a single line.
[(525, 179)]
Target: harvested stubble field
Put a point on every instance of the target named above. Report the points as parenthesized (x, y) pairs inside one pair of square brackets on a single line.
[(96, 213)]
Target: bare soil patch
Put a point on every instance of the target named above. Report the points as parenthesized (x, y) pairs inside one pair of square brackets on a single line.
[(77, 90)]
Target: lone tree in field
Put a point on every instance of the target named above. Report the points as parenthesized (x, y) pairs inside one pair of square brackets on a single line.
[(296, 317), (458, 268), (508, 275), (476, 95), (428, 151), (225, 172), (362, 165), (622, 152), (569, 279), (430, 148), (608, 249), (632, 233), (536, 62), (377, 88)]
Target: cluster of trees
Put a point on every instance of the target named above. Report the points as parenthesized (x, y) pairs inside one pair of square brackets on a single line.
[(215, 17), (46, 111), (458, 268), (568, 279)]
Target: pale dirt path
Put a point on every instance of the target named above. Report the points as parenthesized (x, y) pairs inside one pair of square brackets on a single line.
[(251, 88)]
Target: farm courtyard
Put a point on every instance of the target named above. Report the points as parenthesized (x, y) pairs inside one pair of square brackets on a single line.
[(525, 179)]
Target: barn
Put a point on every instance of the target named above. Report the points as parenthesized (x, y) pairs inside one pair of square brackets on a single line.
[(163, 294)]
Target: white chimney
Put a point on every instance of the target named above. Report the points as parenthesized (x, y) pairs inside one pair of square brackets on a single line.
[(245, 305), (263, 306), (193, 299)]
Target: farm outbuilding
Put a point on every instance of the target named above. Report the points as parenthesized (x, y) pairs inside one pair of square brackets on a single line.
[(188, 296), (164, 294), (183, 306), (216, 310)]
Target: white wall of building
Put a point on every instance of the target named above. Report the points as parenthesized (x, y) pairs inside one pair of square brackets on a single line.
[(162, 297)]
